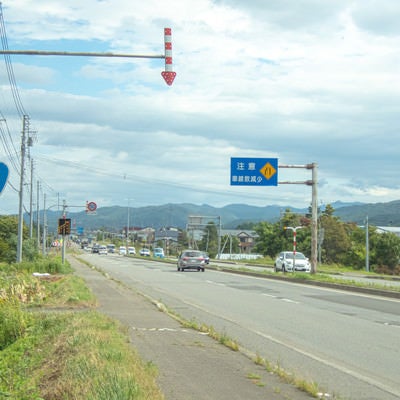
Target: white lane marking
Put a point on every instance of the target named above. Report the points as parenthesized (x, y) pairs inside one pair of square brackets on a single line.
[(216, 283), (168, 330), (269, 295), (291, 301), (282, 299)]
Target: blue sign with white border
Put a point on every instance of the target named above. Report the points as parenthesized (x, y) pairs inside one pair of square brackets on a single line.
[(254, 171)]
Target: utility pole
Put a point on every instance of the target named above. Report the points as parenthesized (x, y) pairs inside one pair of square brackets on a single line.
[(38, 216), (44, 225), (314, 218), (31, 203), (366, 244), (25, 128)]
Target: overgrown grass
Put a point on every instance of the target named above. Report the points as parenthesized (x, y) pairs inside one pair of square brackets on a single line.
[(75, 356), (62, 354)]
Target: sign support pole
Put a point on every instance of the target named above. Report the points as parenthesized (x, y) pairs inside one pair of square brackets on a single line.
[(314, 209)]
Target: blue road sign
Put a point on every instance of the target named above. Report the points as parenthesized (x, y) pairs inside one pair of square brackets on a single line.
[(3, 176), (254, 171)]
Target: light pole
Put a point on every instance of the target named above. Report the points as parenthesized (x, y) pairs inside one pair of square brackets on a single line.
[(128, 226), (366, 245)]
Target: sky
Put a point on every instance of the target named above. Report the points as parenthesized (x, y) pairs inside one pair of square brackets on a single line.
[(300, 81)]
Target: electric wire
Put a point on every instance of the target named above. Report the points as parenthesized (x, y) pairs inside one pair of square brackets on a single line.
[(10, 71)]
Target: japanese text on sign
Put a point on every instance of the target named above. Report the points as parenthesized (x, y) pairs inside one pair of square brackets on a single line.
[(254, 171)]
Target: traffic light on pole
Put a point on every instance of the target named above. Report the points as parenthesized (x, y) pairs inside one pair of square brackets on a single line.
[(64, 226)]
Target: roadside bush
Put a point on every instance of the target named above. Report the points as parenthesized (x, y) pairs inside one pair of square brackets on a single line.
[(51, 265), (14, 322)]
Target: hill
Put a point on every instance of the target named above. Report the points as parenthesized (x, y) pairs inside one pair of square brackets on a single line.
[(115, 218)]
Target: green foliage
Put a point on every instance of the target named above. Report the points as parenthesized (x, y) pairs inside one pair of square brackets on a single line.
[(343, 243), (386, 250), (209, 241), (14, 321), (51, 265)]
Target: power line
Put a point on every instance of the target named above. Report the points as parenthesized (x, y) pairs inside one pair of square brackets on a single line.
[(10, 72)]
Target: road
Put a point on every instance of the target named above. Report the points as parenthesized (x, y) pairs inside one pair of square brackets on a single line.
[(347, 343)]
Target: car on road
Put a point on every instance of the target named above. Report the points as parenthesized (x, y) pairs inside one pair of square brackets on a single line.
[(285, 259), (103, 250), (191, 259), (122, 250), (144, 252), (158, 252), (206, 257), (131, 250)]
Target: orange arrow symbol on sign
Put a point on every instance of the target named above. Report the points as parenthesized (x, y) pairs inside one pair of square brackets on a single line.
[(268, 171)]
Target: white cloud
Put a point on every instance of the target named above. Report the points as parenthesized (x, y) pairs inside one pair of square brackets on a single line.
[(305, 82)]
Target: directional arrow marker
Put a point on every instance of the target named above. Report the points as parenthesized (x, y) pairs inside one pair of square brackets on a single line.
[(168, 76)]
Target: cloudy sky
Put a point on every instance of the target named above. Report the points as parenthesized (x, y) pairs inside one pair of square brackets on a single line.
[(303, 81)]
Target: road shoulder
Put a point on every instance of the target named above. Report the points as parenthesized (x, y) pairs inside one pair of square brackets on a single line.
[(191, 365)]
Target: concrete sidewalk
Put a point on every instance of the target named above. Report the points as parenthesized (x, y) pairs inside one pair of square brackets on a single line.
[(191, 365)]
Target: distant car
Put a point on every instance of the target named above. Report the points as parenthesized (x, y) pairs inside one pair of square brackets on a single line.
[(131, 250), (191, 259), (284, 262), (103, 250), (206, 257), (158, 252), (95, 248), (145, 252), (122, 250), (111, 248)]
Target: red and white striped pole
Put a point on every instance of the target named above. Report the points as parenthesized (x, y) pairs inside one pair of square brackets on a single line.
[(294, 244), (294, 241), (168, 74)]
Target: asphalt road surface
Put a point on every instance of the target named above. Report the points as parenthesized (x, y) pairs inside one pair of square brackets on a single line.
[(348, 343)]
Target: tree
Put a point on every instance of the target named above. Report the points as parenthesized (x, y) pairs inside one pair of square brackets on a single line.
[(386, 251), (336, 242), (8, 238)]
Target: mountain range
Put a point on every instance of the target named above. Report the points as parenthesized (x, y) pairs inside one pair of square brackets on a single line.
[(115, 218)]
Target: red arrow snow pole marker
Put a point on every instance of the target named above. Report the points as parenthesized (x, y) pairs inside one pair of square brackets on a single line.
[(168, 74)]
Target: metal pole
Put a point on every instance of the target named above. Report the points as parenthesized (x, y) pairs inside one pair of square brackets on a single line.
[(21, 189), (366, 246), (219, 239), (127, 231), (44, 225), (314, 220), (31, 203), (63, 236), (38, 216)]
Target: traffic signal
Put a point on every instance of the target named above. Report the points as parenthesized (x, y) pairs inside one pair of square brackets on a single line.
[(64, 226)]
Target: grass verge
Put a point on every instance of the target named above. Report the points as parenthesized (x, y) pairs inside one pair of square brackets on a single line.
[(48, 351)]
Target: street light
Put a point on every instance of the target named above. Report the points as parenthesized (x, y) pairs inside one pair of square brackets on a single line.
[(127, 226)]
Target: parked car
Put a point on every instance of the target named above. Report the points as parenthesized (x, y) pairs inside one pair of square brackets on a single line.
[(284, 262), (191, 259), (158, 252), (206, 257), (131, 250), (144, 252), (103, 250), (122, 250)]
